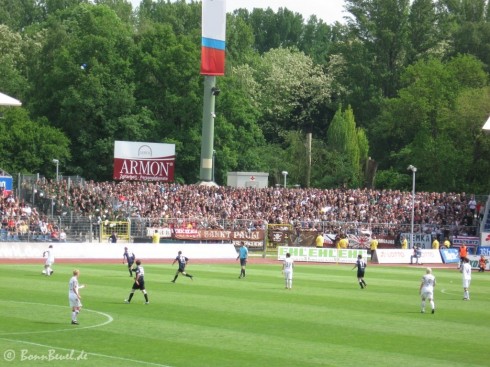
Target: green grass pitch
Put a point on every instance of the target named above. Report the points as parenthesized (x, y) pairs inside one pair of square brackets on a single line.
[(219, 320)]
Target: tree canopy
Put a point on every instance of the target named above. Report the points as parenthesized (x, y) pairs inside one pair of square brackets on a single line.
[(401, 82)]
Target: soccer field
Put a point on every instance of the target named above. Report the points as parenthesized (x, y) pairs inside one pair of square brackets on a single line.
[(220, 320)]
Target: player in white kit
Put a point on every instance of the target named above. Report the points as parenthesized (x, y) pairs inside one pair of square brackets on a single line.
[(287, 270), (49, 254), (74, 296), (466, 271), (427, 290)]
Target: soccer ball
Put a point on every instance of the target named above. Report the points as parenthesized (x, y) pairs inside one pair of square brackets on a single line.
[(43, 272)]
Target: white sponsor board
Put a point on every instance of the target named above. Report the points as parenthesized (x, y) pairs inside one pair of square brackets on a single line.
[(485, 239), (399, 256), (325, 255), (163, 232), (138, 161), (22, 250)]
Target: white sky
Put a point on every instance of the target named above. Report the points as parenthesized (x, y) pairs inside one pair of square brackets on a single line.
[(327, 10)]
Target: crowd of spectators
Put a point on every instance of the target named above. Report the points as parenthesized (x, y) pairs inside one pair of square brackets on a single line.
[(158, 204), (23, 222)]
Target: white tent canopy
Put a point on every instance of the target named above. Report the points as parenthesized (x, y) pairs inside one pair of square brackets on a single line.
[(487, 125), (9, 101)]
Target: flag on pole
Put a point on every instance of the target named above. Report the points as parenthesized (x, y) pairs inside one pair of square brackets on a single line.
[(213, 37)]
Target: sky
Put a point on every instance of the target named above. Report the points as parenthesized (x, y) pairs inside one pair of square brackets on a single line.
[(327, 10)]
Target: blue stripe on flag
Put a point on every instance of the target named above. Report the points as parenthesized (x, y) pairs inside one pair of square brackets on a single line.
[(213, 43)]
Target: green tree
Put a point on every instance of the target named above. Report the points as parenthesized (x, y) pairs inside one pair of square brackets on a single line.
[(83, 83), (237, 134), (166, 69), (343, 138), (382, 25), (418, 123), (12, 62), (184, 17), (425, 37), (17, 14), (293, 92), (30, 146), (273, 30)]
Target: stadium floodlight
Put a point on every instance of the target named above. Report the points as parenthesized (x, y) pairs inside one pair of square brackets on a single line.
[(285, 173), (57, 162)]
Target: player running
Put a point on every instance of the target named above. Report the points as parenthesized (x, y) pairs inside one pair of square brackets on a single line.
[(182, 260)]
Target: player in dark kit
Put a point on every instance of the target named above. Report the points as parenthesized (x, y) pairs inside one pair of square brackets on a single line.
[(361, 267), (182, 260), (129, 258), (139, 283)]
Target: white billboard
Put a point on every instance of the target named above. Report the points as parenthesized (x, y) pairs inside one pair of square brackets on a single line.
[(137, 161)]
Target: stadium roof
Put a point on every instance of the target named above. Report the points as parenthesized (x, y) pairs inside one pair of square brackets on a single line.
[(9, 101)]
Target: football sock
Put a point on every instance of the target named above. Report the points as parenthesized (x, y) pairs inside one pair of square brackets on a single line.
[(360, 283), (188, 275), (175, 277), (432, 305), (73, 316), (146, 296), (423, 305), (130, 296)]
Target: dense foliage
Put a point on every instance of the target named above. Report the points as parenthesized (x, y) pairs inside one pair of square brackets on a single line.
[(401, 82)]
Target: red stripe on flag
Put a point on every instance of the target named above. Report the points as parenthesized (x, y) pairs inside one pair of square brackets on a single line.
[(212, 61)]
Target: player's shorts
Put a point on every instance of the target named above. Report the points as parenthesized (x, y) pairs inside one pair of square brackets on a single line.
[(360, 273), (181, 269), (74, 300), (49, 262), (243, 261), (427, 294), (466, 283), (288, 275), (140, 285)]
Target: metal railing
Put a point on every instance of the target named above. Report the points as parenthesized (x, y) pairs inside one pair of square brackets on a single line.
[(93, 229)]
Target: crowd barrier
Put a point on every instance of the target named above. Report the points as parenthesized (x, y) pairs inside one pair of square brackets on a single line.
[(27, 250)]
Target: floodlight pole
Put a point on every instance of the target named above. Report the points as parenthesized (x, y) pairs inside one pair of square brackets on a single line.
[(413, 169), (207, 139), (57, 162)]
